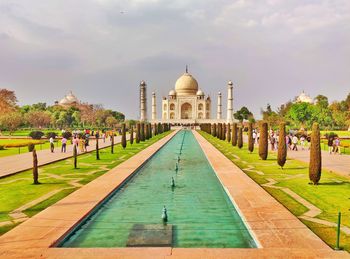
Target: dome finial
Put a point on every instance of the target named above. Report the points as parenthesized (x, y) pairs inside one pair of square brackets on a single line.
[(186, 68)]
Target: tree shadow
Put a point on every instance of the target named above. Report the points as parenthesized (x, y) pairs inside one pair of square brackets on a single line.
[(333, 183)]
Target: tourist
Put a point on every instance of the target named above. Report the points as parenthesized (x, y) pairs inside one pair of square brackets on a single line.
[(254, 136), (330, 145), (76, 142), (302, 142), (104, 137), (82, 144), (52, 144), (64, 145), (336, 148), (308, 139), (295, 143), (272, 141)]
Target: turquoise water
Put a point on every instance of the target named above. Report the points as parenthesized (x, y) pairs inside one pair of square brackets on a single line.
[(201, 213)]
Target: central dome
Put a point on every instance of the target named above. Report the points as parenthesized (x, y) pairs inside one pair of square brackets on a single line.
[(186, 85)]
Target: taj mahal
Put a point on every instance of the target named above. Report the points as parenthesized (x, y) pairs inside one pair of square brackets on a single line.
[(186, 104)]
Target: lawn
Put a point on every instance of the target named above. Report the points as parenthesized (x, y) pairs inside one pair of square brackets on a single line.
[(59, 179), (25, 133), (330, 196), (341, 133)]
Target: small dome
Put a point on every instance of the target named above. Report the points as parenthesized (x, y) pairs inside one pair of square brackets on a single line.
[(71, 98), (143, 83), (186, 85), (304, 98), (230, 82), (200, 92), (172, 93)]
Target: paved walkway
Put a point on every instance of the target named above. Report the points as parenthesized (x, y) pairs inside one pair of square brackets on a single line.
[(17, 163), (339, 164)]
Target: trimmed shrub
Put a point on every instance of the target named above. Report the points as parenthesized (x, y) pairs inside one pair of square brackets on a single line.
[(123, 136), (97, 148), (112, 143), (75, 156), (131, 135), (228, 135), (160, 128), (36, 134), (35, 167), (315, 165), (150, 130), (263, 141), (138, 132), (31, 147), (67, 134), (223, 134), (282, 146), (51, 134), (214, 130), (250, 137), (2, 147), (155, 129), (240, 137), (142, 132), (234, 134)]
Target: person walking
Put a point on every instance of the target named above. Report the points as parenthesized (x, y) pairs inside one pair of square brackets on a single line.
[(337, 146), (330, 145), (302, 142), (295, 143), (64, 145), (104, 137), (52, 144)]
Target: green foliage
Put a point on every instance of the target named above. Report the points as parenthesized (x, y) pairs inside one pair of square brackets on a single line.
[(36, 134), (142, 132), (214, 130), (51, 134), (315, 165), (31, 147), (263, 141), (35, 167), (243, 114), (138, 133), (67, 134), (234, 134), (228, 135), (75, 156), (282, 147), (131, 135)]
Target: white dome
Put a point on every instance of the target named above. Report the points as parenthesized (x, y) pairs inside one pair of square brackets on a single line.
[(186, 85), (172, 93), (304, 98), (69, 99), (200, 92)]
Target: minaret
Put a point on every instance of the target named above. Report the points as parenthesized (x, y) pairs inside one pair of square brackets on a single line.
[(219, 112), (154, 108), (229, 102), (143, 101)]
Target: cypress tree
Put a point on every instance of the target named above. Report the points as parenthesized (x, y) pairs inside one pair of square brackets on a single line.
[(131, 135), (138, 132), (315, 165), (240, 137), (123, 136), (75, 156), (282, 146), (218, 135), (234, 134), (250, 137), (146, 131), (112, 143), (97, 148), (35, 167), (223, 134), (155, 129), (150, 130), (263, 141), (214, 130), (160, 128), (142, 132), (228, 133)]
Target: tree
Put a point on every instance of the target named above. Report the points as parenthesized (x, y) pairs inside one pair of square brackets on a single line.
[(75, 156), (7, 101), (150, 130), (138, 132), (322, 101), (142, 132), (35, 167), (315, 165), (132, 135), (155, 129), (234, 134), (97, 148), (228, 137), (282, 146), (111, 122), (240, 137), (263, 141), (11, 121), (123, 136), (223, 134), (214, 130), (250, 137), (146, 131), (38, 118), (301, 113), (243, 114), (112, 143)]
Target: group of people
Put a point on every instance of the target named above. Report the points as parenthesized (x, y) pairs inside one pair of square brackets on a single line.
[(334, 145), (292, 140), (80, 139)]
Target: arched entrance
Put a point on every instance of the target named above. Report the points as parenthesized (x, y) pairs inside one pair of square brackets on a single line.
[(186, 111)]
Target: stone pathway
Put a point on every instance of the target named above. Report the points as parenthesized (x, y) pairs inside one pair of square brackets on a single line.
[(10, 165)]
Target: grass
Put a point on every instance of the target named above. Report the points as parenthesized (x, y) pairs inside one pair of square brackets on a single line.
[(25, 133), (18, 190), (341, 133), (331, 195)]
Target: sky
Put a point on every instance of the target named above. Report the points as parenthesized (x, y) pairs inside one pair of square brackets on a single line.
[(101, 49)]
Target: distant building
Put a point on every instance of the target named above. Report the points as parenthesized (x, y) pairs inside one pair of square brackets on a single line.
[(69, 100), (303, 98)]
